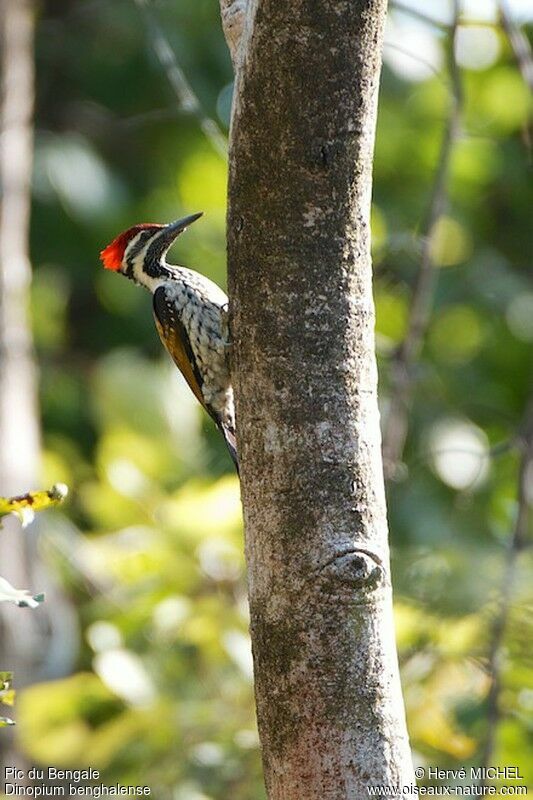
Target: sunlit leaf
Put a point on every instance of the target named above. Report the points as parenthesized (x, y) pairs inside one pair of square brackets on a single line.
[(505, 99), (202, 182), (25, 505), (7, 694), (391, 314), (8, 697), (456, 334), (450, 242)]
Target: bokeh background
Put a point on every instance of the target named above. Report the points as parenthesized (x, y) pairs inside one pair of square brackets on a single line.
[(143, 666)]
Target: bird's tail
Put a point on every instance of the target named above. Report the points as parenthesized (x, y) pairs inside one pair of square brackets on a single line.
[(229, 436)]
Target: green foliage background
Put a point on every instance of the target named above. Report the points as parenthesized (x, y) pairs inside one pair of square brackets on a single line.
[(149, 547)]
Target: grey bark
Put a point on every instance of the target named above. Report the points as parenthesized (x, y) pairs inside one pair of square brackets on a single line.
[(19, 426), (19, 431), (328, 696)]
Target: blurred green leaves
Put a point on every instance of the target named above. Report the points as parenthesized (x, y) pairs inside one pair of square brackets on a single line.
[(24, 507), (152, 553), (450, 243)]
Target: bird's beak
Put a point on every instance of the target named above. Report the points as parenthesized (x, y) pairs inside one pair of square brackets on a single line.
[(166, 234), (181, 224), (171, 231)]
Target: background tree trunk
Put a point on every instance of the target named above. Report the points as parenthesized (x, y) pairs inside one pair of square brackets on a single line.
[(328, 696), (19, 421), (19, 430)]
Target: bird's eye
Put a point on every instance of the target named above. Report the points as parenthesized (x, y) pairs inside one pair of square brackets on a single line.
[(137, 244)]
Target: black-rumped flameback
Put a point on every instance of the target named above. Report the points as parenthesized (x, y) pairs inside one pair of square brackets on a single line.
[(190, 314)]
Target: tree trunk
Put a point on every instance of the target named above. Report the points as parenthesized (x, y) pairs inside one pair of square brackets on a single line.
[(19, 432), (328, 696), (19, 422)]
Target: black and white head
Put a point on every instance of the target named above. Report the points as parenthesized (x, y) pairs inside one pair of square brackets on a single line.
[(139, 253)]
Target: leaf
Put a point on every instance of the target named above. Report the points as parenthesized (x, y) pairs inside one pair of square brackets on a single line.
[(21, 597), (6, 680), (8, 698), (25, 505)]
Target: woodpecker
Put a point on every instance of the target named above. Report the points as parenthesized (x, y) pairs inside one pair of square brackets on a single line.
[(190, 313)]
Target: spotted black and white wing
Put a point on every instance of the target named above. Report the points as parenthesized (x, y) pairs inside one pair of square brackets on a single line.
[(176, 341), (191, 328)]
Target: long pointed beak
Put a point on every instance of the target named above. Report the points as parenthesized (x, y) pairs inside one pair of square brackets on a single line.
[(174, 228), (181, 224), (170, 232)]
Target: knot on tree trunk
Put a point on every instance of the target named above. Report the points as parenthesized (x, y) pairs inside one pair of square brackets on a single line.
[(355, 573)]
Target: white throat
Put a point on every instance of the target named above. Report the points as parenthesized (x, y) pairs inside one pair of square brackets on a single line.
[(138, 274)]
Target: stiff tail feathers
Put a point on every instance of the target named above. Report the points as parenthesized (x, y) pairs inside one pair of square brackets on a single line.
[(231, 442)]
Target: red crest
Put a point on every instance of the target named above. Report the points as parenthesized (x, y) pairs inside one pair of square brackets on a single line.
[(112, 255)]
